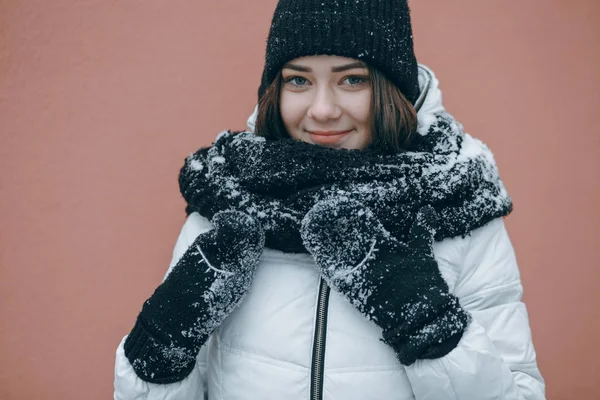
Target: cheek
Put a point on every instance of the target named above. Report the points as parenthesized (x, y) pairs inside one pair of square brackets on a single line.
[(290, 110), (362, 117), (360, 111), (363, 109)]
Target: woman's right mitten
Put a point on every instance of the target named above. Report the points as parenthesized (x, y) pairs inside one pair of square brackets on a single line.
[(396, 285), (203, 288)]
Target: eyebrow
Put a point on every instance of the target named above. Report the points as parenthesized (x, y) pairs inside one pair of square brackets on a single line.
[(341, 68)]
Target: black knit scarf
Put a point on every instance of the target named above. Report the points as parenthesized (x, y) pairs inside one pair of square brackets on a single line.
[(278, 181)]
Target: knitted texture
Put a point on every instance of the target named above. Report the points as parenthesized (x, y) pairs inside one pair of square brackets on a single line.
[(203, 288), (378, 32), (278, 182), (396, 285), (365, 215)]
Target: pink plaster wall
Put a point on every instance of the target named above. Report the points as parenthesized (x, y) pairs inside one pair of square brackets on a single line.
[(100, 101)]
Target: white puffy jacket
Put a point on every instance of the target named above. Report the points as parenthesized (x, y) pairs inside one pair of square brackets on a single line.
[(291, 338)]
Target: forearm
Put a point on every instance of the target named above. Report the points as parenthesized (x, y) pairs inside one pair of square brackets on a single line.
[(129, 386), (429, 328), (157, 347), (157, 361), (475, 370), (205, 285)]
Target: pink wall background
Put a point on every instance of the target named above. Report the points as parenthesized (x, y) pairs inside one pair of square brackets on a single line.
[(100, 101)]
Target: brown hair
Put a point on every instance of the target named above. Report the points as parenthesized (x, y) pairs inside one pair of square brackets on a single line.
[(394, 118)]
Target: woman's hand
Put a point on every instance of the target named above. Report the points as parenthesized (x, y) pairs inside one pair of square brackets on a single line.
[(396, 285), (207, 283)]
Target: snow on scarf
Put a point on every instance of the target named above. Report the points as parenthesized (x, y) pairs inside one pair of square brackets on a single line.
[(279, 181)]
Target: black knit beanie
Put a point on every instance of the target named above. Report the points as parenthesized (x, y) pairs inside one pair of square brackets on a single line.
[(376, 31)]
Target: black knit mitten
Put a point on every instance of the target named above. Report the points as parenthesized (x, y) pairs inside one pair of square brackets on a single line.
[(203, 288), (396, 285)]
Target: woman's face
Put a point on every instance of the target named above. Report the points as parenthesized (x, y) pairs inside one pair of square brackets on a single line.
[(326, 100)]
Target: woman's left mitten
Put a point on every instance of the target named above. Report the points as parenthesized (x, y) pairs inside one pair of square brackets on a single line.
[(396, 285), (202, 289)]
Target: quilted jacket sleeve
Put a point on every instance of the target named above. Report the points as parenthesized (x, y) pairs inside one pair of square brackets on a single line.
[(127, 385), (495, 358)]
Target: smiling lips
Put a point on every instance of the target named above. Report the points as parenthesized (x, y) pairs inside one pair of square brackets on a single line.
[(327, 137)]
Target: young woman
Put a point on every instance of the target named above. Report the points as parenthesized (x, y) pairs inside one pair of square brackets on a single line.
[(350, 245)]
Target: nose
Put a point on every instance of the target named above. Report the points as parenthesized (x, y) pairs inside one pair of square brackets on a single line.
[(324, 106)]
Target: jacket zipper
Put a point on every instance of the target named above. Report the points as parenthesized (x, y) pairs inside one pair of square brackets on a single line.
[(316, 374)]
